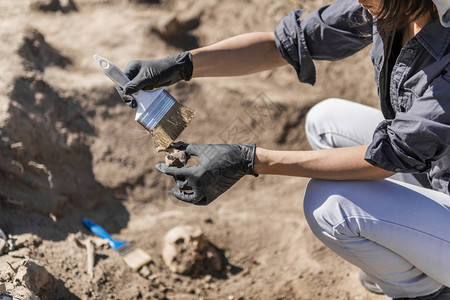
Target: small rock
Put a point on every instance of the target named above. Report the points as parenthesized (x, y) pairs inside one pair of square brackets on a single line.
[(145, 272), (207, 278), (53, 217), (34, 277)]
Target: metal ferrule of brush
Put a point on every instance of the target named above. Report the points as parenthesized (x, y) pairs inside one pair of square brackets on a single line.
[(156, 110), (125, 249)]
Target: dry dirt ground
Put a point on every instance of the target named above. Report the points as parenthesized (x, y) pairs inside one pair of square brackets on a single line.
[(71, 149)]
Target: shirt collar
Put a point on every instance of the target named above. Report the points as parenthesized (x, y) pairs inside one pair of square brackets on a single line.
[(435, 38), (443, 8)]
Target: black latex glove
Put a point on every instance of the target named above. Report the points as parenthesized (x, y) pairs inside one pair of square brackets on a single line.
[(219, 167), (128, 99), (154, 73)]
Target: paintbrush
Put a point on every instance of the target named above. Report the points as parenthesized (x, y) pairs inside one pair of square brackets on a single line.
[(133, 257), (157, 110)]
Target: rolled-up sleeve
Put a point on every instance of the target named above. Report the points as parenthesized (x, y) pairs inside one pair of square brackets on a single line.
[(332, 32), (411, 141)]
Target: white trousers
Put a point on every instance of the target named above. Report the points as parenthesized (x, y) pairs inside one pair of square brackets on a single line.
[(395, 230)]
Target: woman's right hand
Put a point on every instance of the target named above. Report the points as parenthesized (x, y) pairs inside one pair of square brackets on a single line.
[(154, 73)]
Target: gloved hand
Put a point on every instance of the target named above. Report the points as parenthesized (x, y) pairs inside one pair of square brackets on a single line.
[(154, 73), (219, 167)]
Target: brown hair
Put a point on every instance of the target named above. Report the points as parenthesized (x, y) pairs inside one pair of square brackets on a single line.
[(400, 12)]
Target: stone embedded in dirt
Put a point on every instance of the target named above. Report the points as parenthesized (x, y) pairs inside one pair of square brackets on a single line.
[(145, 271), (188, 252), (35, 278)]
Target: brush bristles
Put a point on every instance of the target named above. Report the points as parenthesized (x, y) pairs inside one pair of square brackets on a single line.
[(134, 257), (172, 124)]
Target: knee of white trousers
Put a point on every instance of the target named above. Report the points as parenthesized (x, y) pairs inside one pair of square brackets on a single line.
[(335, 221), (317, 121), (327, 211)]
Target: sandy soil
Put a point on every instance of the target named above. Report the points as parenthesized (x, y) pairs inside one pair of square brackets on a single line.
[(71, 149)]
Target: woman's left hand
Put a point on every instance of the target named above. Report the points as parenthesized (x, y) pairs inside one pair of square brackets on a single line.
[(219, 167)]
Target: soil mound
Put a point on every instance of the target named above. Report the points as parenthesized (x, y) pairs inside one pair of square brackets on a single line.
[(46, 163)]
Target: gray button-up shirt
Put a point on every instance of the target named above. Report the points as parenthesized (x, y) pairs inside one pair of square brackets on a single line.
[(414, 96)]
